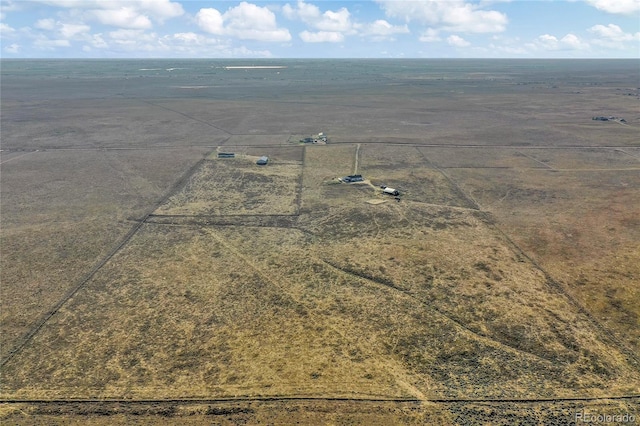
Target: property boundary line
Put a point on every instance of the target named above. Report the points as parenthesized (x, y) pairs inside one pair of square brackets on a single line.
[(474, 204), (298, 201), (417, 144), (315, 398), (188, 116)]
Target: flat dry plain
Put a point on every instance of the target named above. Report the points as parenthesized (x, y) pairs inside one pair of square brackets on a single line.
[(145, 280)]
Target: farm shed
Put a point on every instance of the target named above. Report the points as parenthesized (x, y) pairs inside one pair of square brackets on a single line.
[(352, 178), (262, 161)]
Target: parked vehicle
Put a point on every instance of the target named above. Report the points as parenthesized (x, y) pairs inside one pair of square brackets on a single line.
[(390, 191)]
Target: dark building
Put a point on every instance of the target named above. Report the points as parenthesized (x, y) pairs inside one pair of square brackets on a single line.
[(352, 178)]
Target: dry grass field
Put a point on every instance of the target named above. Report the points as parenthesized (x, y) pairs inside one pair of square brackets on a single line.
[(146, 281), (581, 225), (64, 210), (236, 186)]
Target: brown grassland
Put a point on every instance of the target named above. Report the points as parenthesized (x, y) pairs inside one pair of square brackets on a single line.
[(144, 280)]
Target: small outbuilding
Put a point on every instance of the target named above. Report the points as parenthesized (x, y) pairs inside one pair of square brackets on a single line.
[(262, 161), (226, 155), (352, 178)]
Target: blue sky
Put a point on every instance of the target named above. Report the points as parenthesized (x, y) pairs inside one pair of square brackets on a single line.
[(320, 29)]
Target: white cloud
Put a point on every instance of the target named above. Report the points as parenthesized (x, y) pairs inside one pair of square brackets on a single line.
[(246, 21), (131, 22), (548, 41), (467, 19), (95, 41), (124, 17), (322, 37), (275, 35), (457, 41), (9, 6), (210, 20), (191, 42), (484, 3), (134, 14), (333, 25), (130, 40), (613, 32), (451, 15), (98, 42), (328, 21), (70, 31), (45, 24), (335, 21), (137, 43), (189, 37), (67, 3), (430, 35), (571, 41), (309, 13), (12, 48), (160, 9), (243, 52), (568, 42), (64, 30), (508, 46), (6, 30), (382, 30), (622, 7)]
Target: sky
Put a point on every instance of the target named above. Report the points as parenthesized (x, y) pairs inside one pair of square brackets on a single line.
[(320, 29)]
